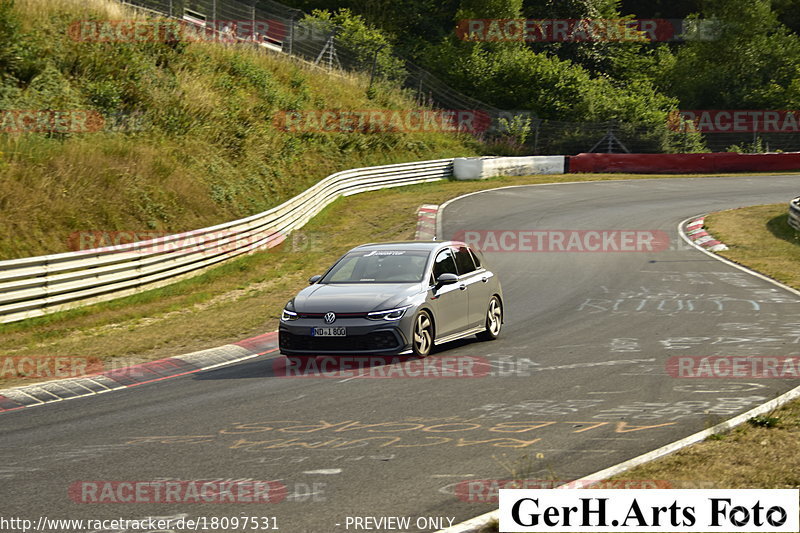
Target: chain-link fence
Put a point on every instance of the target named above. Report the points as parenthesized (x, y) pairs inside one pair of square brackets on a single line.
[(277, 27), (753, 142), (555, 137)]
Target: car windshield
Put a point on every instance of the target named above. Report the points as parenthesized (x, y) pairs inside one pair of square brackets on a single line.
[(379, 266)]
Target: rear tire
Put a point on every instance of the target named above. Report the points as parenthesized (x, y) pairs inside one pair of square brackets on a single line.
[(494, 320), (422, 337)]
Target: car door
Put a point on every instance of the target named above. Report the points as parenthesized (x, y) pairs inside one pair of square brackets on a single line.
[(451, 300), (477, 288)]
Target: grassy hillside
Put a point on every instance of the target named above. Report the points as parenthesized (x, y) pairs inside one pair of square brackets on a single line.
[(188, 139)]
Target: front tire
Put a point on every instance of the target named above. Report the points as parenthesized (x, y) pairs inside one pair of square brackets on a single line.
[(494, 320), (422, 337)]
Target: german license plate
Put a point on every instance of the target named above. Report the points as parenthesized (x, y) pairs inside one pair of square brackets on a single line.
[(328, 332)]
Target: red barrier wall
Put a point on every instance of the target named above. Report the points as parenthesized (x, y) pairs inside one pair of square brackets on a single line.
[(684, 163)]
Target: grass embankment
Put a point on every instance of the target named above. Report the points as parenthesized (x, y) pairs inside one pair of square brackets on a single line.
[(188, 141)]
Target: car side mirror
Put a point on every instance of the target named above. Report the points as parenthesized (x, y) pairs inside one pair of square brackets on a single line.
[(313, 279), (447, 278)]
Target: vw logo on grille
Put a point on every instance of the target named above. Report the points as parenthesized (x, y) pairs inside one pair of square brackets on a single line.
[(329, 318)]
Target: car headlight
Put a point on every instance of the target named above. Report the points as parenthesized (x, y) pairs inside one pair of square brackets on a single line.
[(389, 314), (288, 316)]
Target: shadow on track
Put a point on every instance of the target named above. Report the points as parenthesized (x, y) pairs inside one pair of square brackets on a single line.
[(275, 365)]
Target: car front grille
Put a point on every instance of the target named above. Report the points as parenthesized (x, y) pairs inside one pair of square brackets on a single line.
[(374, 341), (338, 315)]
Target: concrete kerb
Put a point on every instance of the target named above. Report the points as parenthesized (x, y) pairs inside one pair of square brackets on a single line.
[(426, 222), (58, 390)]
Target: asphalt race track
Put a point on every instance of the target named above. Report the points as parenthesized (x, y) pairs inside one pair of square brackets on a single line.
[(577, 382)]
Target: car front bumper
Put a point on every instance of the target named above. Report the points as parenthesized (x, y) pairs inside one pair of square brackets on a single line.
[(364, 336)]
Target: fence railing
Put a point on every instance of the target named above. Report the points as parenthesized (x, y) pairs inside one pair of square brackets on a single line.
[(37, 286)]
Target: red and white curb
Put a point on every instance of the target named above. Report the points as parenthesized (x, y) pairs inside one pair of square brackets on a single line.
[(426, 222), (697, 233), (172, 367)]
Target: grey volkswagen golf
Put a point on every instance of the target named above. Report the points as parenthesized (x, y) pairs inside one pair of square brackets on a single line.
[(393, 299)]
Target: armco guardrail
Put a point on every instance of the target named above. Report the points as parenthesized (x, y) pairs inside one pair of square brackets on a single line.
[(37, 286), (794, 213)]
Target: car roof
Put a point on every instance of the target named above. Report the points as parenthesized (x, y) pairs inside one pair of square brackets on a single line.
[(408, 245)]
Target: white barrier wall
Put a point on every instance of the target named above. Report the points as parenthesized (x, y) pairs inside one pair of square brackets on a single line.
[(475, 168), (794, 213)]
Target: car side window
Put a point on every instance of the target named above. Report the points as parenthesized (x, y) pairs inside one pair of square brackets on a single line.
[(475, 258), (464, 261), (443, 264)]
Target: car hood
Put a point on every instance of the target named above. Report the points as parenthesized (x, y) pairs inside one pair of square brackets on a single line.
[(354, 297)]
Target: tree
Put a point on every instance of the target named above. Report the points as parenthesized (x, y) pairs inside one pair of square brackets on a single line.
[(788, 12), (668, 9), (753, 64), (357, 43), (9, 36), (484, 9)]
